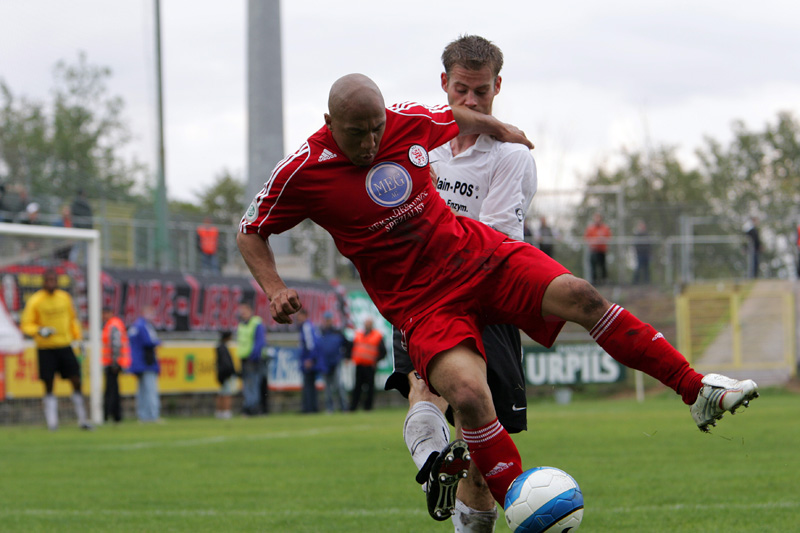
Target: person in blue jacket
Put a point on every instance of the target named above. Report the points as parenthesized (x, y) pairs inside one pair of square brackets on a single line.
[(143, 341), (250, 343), (309, 361), (333, 347)]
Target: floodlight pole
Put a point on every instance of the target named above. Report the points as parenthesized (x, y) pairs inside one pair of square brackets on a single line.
[(160, 193), (264, 102)]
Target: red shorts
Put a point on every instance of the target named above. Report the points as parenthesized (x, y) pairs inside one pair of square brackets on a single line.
[(507, 289)]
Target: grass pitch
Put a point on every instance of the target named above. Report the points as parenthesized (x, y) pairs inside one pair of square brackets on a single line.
[(642, 467)]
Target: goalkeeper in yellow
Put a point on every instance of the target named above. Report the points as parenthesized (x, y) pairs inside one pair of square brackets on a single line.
[(49, 318)]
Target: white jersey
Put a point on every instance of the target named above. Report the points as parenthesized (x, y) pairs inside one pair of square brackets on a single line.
[(492, 181)]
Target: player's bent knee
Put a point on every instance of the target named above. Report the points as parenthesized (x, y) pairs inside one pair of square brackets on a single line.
[(471, 406), (574, 299)]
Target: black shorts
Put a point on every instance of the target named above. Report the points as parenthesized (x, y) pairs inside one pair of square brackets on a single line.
[(504, 373), (61, 360)]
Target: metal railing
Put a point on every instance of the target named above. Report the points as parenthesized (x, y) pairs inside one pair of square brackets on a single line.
[(310, 252)]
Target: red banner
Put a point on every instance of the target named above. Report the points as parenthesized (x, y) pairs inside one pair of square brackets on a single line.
[(182, 302)]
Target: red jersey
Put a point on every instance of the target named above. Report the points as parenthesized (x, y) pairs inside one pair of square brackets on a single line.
[(387, 218)]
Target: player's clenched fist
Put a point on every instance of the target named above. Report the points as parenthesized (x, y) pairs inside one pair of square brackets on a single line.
[(283, 304)]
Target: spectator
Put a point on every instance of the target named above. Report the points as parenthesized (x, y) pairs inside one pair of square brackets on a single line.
[(263, 383), (226, 376), (527, 233), (49, 318), (250, 343), (368, 349), (309, 361), (32, 212), (754, 249), (66, 217), (15, 200), (207, 243), (642, 247), (546, 237), (333, 347), (66, 252), (145, 366), (81, 211), (597, 236), (116, 359), (32, 246)]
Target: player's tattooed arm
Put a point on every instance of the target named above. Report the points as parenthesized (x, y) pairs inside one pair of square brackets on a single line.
[(257, 254)]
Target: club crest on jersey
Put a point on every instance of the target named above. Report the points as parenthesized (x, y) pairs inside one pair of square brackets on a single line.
[(388, 184), (418, 155), (251, 213)]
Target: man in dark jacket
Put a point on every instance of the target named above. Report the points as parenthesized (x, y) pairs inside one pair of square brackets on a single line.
[(333, 347)]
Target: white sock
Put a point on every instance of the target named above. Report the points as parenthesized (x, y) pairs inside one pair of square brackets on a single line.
[(425, 431), (50, 404), (80, 409), (468, 520)]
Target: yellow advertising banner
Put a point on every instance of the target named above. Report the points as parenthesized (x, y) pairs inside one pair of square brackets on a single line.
[(185, 367)]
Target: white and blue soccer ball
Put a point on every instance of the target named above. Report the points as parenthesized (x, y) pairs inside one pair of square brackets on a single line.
[(544, 499)]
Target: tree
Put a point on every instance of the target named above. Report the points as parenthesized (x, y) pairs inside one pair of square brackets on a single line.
[(224, 199), (75, 143), (24, 147), (756, 174), (655, 186)]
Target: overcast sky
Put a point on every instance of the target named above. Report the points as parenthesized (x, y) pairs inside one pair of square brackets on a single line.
[(582, 78)]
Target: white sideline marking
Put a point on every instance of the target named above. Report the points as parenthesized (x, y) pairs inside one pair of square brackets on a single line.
[(209, 512), (366, 512), (224, 438), (682, 507)]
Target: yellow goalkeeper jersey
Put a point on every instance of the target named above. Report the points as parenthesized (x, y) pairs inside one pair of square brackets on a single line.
[(55, 311)]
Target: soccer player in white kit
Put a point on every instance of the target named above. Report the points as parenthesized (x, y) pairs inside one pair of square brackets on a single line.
[(493, 182)]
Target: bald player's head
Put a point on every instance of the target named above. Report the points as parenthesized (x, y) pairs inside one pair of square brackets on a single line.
[(356, 117)]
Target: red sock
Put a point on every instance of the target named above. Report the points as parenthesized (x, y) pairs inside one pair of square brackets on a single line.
[(639, 346), (495, 455)]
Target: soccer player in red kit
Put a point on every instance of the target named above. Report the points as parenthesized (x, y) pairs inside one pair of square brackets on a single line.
[(440, 278)]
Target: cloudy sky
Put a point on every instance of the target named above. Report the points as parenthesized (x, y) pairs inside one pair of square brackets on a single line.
[(583, 79)]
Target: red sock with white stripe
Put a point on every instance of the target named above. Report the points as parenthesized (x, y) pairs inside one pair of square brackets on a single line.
[(639, 346), (495, 455)]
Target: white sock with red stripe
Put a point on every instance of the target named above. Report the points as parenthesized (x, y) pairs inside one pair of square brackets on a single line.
[(495, 455), (639, 346)]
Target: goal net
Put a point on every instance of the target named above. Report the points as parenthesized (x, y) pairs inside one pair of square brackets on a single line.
[(26, 251)]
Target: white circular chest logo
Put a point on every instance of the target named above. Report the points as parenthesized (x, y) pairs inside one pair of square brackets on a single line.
[(388, 184), (418, 155)]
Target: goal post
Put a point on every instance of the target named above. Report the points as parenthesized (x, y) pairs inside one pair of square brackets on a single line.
[(36, 246)]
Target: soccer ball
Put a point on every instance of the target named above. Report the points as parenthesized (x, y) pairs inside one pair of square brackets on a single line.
[(544, 499)]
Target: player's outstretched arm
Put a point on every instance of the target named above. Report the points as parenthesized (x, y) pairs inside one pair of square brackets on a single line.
[(257, 254), (470, 122)]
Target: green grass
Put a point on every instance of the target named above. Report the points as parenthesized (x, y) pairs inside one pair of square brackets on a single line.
[(642, 467)]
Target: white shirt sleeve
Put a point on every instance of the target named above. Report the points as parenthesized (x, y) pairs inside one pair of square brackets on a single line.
[(513, 184)]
